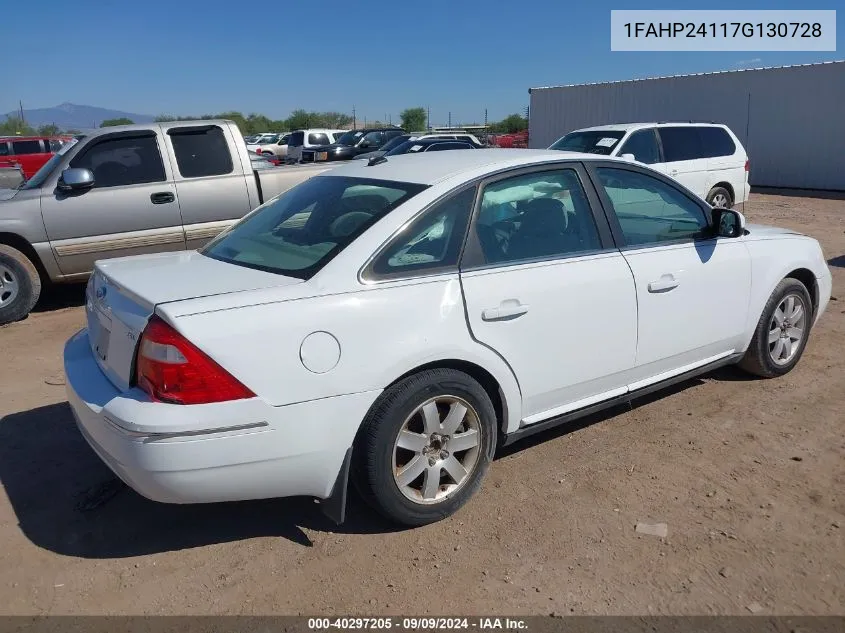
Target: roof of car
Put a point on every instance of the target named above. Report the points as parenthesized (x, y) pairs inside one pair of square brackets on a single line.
[(431, 167), (626, 127)]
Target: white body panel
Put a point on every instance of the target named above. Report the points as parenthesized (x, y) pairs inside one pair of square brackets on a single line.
[(592, 332)]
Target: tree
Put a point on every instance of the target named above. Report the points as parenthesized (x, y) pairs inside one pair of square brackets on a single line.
[(50, 129), (413, 119), (510, 124), (14, 125), (298, 120), (120, 121)]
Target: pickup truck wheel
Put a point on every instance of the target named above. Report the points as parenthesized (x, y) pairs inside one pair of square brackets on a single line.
[(20, 285), (425, 446), (782, 332), (720, 198)]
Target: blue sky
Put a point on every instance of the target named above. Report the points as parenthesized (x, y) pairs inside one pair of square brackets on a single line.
[(271, 56)]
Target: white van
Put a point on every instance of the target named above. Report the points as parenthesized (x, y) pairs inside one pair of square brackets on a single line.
[(309, 138), (707, 159)]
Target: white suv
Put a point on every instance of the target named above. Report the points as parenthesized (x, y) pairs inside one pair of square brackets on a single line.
[(309, 138), (707, 159)]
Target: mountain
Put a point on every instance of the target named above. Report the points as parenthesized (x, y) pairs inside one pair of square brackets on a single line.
[(73, 116)]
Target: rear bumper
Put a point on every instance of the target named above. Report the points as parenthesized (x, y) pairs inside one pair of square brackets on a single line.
[(229, 451)]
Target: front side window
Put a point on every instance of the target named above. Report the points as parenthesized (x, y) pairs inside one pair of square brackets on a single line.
[(680, 143), (538, 215), (643, 145), (651, 211), (591, 142), (201, 151), (26, 147), (297, 233), (296, 139), (432, 241), (125, 160), (375, 139)]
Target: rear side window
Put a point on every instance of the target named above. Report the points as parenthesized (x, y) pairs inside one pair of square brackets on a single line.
[(123, 161), (318, 139), (643, 145), (26, 147), (432, 242), (715, 141), (296, 139), (681, 143), (201, 151), (4, 148)]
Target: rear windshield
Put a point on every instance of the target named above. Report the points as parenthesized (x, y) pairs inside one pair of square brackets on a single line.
[(592, 142), (297, 233)]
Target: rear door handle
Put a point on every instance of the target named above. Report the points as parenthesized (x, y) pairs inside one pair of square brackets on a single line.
[(664, 284), (506, 311), (162, 197)]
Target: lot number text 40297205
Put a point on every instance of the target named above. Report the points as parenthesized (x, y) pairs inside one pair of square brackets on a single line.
[(417, 623)]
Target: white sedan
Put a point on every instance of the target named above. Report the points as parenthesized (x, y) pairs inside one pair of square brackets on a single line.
[(391, 323)]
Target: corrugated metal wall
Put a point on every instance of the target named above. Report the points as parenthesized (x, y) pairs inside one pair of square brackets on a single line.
[(791, 120)]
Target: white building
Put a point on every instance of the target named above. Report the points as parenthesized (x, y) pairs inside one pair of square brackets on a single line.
[(791, 119)]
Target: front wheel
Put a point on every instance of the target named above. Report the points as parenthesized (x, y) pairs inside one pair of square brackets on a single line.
[(425, 446), (20, 285), (720, 198), (782, 331)]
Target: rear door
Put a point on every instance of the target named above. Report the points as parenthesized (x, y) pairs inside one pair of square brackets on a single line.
[(209, 179), (131, 209), (684, 158), (546, 288)]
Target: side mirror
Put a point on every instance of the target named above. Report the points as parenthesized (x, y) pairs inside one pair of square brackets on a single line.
[(728, 223), (74, 179), (629, 157)]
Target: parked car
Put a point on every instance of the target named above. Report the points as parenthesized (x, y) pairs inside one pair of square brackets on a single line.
[(418, 146), (398, 140), (397, 322), (261, 162), (127, 190), (707, 158), (351, 144), (276, 147), (30, 152), (306, 139)]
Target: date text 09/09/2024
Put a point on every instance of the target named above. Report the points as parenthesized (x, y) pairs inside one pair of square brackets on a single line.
[(416, 623), (724, 29)]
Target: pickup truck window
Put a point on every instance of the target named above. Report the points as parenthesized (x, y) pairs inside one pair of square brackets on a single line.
[(4, 148), (124, 160), (318, 139), (300, 231), (201, 151)]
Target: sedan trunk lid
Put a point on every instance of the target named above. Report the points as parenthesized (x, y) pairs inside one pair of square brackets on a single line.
[(122, 294)]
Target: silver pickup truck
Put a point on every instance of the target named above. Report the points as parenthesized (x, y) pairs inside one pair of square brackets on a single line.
[(127, 190)]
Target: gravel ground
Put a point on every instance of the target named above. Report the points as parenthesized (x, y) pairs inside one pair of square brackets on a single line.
[(748, 475)]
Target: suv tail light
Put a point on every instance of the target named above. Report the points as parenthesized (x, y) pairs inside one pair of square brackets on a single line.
[(172, 369), (747, 165)]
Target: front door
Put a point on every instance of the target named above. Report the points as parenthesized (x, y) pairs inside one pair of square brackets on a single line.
[(546, 289), (692, 288), (131, 209)]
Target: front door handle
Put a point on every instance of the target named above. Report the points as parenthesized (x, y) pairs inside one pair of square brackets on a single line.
[(664, 284), (162, 197), (506, 311)]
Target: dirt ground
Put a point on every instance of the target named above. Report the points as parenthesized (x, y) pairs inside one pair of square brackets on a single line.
[(749, 475)]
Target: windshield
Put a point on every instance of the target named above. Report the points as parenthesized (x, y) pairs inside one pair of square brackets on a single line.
[(350, 138), (47, 168), (592, 142), (297, 233), (394, 142)]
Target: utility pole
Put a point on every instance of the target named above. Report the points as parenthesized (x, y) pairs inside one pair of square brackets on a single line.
[(450, 120), (354, 120), (428, 117)]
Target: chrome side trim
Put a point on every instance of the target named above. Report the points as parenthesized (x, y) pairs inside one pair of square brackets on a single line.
[(206, 230), (86, 246), (163, 436)]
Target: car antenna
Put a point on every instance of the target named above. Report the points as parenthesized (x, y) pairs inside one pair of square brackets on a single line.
[(376, 160)]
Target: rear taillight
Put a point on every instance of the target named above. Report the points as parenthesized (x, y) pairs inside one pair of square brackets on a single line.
[(747, 165), (172, 369)]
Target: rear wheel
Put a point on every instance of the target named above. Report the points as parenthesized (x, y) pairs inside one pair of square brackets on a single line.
[(720, 198), (782, 331), (425, 446), (20, 285)]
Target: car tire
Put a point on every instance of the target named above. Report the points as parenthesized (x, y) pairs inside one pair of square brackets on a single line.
[(720, 197), (20, 285), (414, 478), (781, 334)]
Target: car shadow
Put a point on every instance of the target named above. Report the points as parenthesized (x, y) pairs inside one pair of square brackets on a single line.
[(68, 502), (60, 296), (839, 261)]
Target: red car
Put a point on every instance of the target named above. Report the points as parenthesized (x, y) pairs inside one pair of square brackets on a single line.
[(30, 152)]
